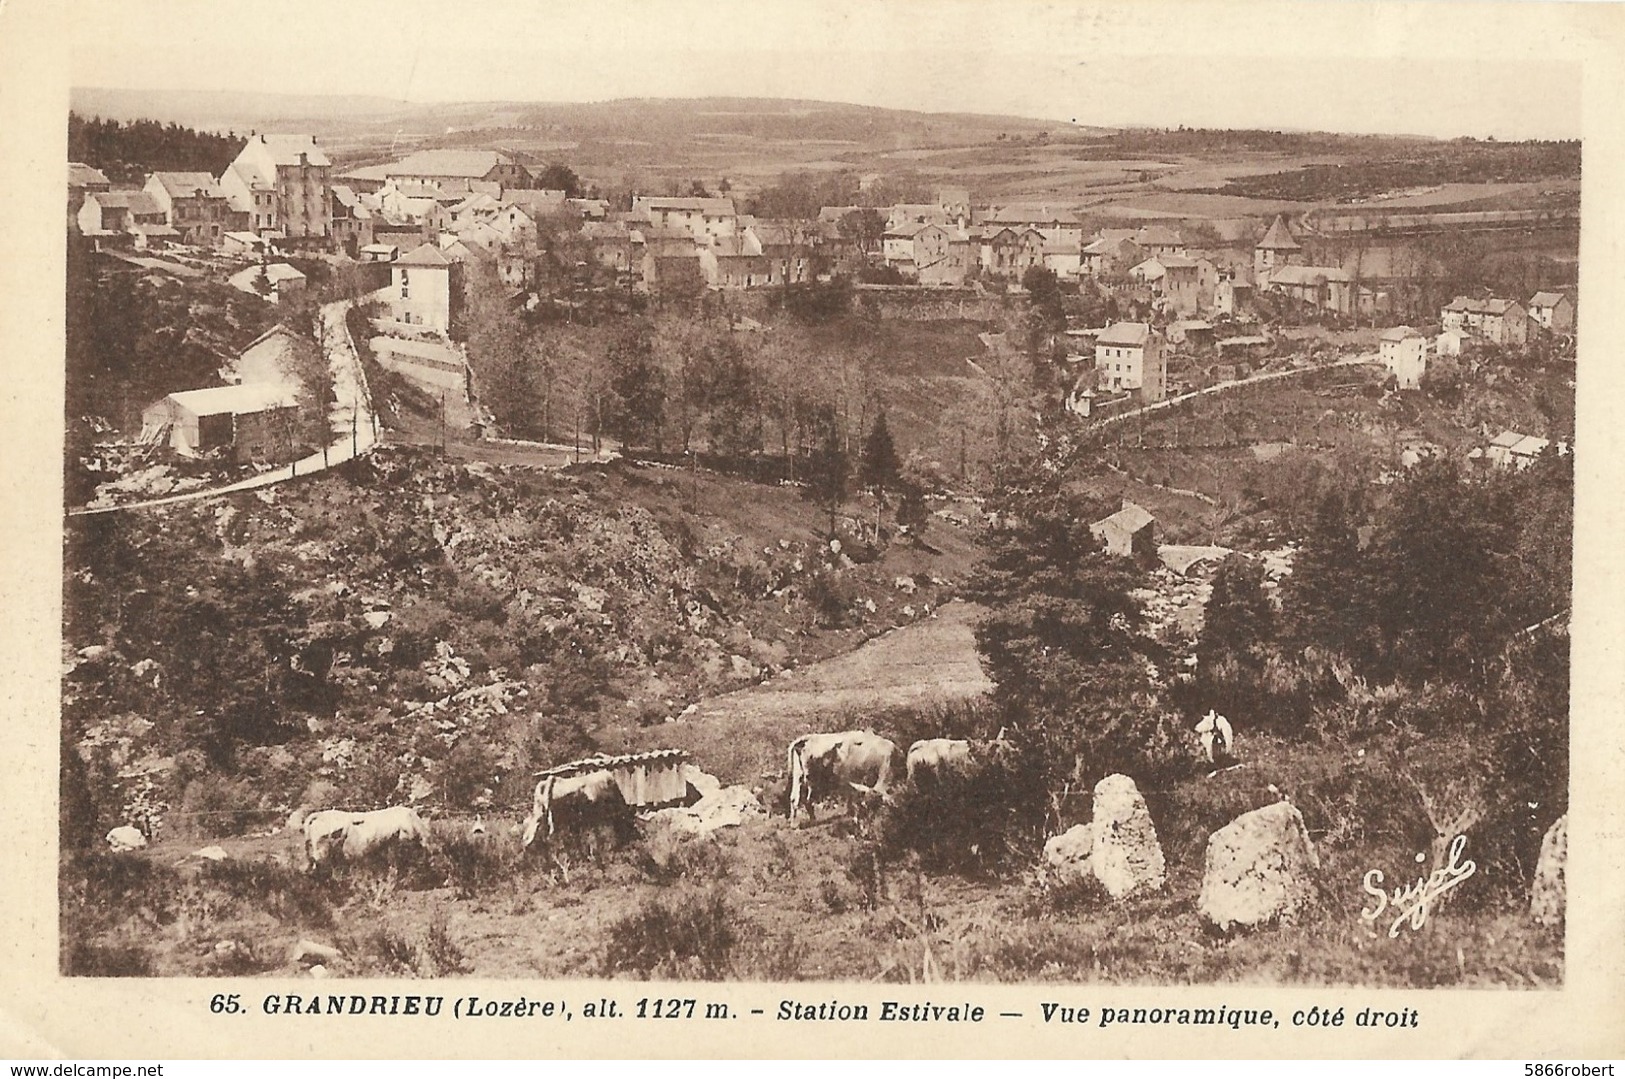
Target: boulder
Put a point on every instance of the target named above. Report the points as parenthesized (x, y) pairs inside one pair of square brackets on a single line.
[(700, 780), (126, 837), (1259, 868), (215, 853), (1067, 855), (1548, 897), (1125, 856), (727, 807), (308, 953)]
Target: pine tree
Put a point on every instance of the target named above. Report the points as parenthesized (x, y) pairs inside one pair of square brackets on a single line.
[(827, 471), (878, 468), (1239, 616), (1061, 642), (1327, 599), (912, 511)]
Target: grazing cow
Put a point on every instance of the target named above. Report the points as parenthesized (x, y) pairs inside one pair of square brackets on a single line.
[(1216, 735), (335, 835), (852, 763), (578, 806), (126, 837), (932, 758), (774, 793)]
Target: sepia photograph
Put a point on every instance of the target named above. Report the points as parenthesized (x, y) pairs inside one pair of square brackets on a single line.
[(648, 494)]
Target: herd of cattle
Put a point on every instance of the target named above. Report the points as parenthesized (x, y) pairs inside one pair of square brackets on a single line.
[(858, 768)]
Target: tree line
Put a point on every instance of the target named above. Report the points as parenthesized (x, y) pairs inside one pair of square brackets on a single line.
[(126, 151)]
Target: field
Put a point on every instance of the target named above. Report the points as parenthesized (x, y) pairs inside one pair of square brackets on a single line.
[(765, 901), (750, 143)]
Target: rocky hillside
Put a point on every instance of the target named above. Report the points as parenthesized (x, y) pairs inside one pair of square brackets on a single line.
[(430, 631)]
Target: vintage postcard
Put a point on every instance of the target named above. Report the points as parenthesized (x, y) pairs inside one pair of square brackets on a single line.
[(813, 529)]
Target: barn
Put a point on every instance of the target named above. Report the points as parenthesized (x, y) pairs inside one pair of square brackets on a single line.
[(254, 421)]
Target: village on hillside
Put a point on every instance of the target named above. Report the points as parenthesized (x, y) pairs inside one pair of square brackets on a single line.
[(474, 567), (1182, 314)]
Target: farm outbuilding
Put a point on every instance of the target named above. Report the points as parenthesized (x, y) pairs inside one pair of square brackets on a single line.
[(1128, 533), (255, 421), (647, 780)]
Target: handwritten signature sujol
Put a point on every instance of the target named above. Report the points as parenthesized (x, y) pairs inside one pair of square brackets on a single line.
[(1414, 902)]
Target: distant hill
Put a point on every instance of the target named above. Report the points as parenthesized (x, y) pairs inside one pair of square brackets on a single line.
[(655, 121)]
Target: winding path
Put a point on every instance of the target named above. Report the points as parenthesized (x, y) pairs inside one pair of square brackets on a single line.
[(351, 421)]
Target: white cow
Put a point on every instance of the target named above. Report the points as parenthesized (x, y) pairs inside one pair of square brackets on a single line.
[(848, 764), (1216, 737), (578, 806), (932, 758), (334, 835)]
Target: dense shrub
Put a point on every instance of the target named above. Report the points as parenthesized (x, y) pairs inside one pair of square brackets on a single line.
[(90, 959), (980, 820), (285, 892), (691, 934)]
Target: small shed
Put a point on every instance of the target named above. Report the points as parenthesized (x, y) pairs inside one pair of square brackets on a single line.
[(270, 280), (254, 420), (1128, 533), (647, 780)]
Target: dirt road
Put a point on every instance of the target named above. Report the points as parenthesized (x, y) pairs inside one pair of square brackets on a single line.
[(742, 734)]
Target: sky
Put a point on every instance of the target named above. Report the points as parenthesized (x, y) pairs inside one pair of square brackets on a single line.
[(1336, 65)]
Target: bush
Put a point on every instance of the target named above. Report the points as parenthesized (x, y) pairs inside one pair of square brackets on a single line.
[(831, 598), (85, 959), (286, 893), (668, 855), (474, 864), (692, 934), (104, 883), (438, 953), (979, 820)]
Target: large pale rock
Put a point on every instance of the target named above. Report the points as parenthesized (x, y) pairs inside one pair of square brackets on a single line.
[(1259, 868), (309, 952), (726, 807), (126, 837), (1067, 854), (702, 781), (1126, 857), (1548, 898)]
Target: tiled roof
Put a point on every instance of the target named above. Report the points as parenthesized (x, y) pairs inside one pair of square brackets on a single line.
[(1307, 275), (711, 207), (1490, 306), (1131, 518), (461, 164), (1133, 334), (187, 184), (423, 255), (246, 398), (285, 149), (82, 175), (1161, 235), (1279, 237)]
